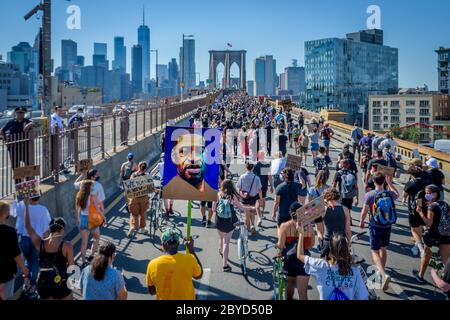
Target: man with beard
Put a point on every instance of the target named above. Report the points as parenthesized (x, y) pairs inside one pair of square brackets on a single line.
[(188, 155)]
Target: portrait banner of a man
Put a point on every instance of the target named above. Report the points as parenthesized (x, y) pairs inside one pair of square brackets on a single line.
[(191, 164)]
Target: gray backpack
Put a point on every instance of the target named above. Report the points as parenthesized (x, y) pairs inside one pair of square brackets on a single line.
[(348, 185), (444, 221)]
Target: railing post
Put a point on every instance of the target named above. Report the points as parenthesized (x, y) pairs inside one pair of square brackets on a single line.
[(136, 125), (151, 120), (102, 128), (157, 118), (56, 154), (143, 123), (114, 133), (75, 143), (88, 137)]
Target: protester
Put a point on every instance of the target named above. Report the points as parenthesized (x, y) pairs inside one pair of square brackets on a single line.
[(327, 133), (356, 135), (436, 175), (100, 280), (169, 276), (262, 171)]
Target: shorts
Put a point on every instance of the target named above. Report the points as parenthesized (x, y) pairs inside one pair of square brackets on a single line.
[(250, 201), (303, 192), (415, 221), (264, 192), (304, 149), (315, 147), (294, 267), (348, 203), (282, 220), (8, 288), (379, 237), (326, 143), (84, 223), (434, 239), (55, 293), (206, 203)]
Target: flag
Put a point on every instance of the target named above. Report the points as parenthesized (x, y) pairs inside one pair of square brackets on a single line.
[(230, 45)]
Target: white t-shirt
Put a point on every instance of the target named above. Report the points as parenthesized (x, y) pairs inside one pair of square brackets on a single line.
[(351, 285), (39, 218), (98, 193)]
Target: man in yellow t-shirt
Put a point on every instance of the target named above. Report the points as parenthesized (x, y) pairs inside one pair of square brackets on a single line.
[(170, 275)]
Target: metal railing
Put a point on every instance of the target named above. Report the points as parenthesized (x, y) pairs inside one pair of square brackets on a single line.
[(94, 139)]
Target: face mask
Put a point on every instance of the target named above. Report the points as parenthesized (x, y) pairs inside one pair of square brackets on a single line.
[(97, 179), (429, 197)]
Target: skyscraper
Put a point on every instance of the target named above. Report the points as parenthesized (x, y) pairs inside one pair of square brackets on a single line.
[(444, 69), (341, 73), (136, 69), (80, 61), (144, 42), (21, 56), (101, 49), (120, 55), (295, 79), (163, 73), (174, 77), (188, 64), (68, 54), (265, 76), (100, 57)]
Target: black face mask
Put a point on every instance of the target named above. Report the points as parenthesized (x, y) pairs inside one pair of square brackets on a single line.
[(97, 179)]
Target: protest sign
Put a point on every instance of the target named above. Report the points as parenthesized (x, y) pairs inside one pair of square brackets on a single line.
[(26, 172), (27, 188), (84, 165), (293, 162), (387, 171), (138, 187), (311, 211)]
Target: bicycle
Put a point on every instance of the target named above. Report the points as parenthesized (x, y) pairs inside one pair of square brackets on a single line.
[(278, 275), (242, 244), (358, 261), (155, 214)]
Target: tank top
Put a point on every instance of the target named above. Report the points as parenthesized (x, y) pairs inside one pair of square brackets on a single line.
[(334, 221), (57, 258)]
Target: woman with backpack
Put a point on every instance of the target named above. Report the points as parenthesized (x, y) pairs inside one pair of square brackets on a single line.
[(55, 256), (336, 220), (288, 242), (303, 142), (226, 218), (437, 234), (346, 280)]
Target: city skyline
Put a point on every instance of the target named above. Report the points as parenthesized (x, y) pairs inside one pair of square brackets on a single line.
[(303, 21)]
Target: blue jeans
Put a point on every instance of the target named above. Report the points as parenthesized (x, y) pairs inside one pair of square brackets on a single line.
[(31, 257)]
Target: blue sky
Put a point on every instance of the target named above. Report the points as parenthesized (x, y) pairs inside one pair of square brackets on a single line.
[(261, 27)]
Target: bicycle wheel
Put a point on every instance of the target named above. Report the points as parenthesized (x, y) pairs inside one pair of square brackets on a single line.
[(151, 216), (275, 280), (242, 257)]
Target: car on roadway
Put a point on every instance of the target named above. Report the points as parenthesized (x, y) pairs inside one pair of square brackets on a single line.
[(93, 112)]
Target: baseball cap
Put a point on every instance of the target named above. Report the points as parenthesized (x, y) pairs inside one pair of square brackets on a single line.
[(432, 163), (170, 236), (131, 155), (91, 173)]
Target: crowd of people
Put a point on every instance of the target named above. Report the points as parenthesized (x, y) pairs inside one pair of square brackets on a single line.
[(253, 131)]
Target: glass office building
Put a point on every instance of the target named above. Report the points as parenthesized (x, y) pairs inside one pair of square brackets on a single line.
[(341, 73)]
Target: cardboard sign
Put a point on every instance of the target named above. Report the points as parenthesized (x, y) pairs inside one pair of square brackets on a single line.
[(388, 171), (26, 172), (293, 162), (84, 165), (138, 187), (311, 211), (30, 188)]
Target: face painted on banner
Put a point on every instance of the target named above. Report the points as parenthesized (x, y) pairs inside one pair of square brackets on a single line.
[(188, 156)]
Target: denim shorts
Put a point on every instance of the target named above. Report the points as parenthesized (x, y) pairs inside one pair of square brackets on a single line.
[(315, 147), (8, 288), (84, 223), (379, 237), (326, 143)]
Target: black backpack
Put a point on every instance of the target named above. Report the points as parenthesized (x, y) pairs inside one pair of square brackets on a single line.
[(49, 276)]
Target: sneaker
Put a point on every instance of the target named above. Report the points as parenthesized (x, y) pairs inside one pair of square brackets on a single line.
[(418, 278), (143, 231), (171, 212), (204, 221), (130, 234), (415, 250), (253, 230), (227, 269), (259, 222), (385, 283)]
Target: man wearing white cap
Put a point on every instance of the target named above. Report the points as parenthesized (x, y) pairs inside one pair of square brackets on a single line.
[(437, 177)]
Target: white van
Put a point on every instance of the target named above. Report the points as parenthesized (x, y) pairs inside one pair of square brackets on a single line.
[(442, 145)]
